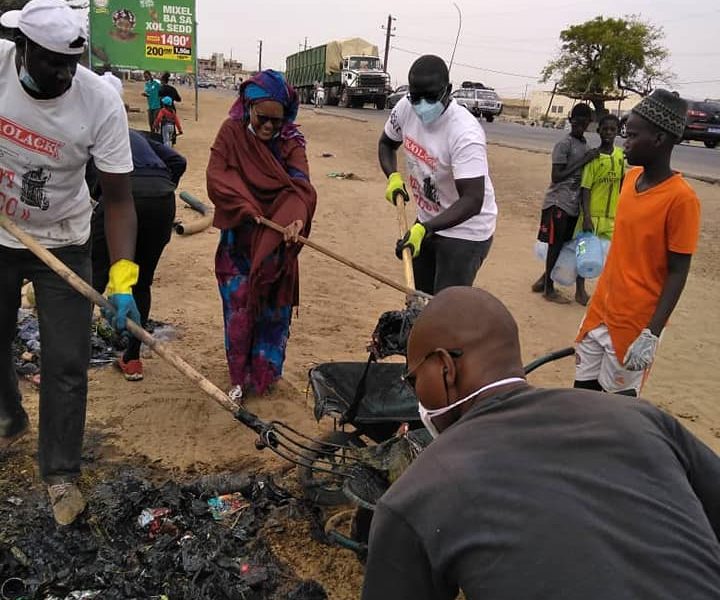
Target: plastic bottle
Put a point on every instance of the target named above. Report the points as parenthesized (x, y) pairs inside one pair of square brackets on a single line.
[(565, 270), (589, 255)]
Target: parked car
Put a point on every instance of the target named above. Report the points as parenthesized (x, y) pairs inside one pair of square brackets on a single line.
[(396, 96), (481, 101), (204, 83), (703, 123)]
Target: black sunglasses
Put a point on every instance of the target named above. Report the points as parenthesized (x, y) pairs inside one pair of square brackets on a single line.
[(409, 376), (276, 122), (429, 96)]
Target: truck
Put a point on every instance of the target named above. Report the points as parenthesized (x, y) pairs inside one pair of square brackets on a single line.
[(350, 71)]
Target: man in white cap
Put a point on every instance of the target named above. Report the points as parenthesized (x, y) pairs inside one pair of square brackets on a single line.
[(54, 116)]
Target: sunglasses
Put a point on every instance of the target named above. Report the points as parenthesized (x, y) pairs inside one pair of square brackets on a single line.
[(276, 122), (429, 96), (409, 377)]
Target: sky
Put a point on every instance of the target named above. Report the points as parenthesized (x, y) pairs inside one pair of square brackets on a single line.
[(504, 44)]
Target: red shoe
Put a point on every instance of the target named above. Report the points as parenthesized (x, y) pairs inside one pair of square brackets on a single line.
[(132, 370)]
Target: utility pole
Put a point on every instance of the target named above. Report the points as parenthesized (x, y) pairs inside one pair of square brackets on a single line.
[(260, 55), (305, 43), (389, 28)]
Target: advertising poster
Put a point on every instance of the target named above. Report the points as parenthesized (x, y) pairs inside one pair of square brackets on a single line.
[(157, 35)]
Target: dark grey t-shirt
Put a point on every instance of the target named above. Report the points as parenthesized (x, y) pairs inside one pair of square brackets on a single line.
[(552, 495), (566, 193)]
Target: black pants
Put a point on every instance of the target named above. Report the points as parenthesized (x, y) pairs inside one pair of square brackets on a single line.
[(446, 262), (155, 218), (65, 319)]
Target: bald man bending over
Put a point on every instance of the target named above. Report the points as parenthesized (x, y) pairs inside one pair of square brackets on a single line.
[(538, 494)]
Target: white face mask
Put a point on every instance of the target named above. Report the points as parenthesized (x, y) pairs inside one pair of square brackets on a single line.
[(426, 416), (24, 75)]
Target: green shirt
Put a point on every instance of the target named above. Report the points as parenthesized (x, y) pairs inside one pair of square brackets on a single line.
[(603, 177)]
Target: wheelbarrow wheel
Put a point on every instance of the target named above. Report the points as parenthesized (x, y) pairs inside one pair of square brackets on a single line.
[(320, 487)]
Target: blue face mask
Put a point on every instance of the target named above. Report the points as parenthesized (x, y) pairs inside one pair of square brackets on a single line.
[(428, 112), (26, 79)]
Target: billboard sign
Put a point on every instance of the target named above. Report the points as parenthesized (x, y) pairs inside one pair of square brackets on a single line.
[(157, 35)]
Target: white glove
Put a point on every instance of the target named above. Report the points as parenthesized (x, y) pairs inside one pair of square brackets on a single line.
[(641, 353)]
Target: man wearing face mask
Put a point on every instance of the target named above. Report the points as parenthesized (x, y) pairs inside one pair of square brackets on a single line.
[(537, 493), (446, 158), (54, 116)]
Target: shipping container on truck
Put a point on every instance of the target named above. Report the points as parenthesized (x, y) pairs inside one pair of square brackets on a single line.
[(350, 71)]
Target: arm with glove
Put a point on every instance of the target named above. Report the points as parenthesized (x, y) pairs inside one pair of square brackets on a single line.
[(641, 353), (121, 233), (472, 195)]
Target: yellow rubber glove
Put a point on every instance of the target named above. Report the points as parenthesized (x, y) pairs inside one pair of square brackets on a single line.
[(413, 239), (395, 186), (122, 277)]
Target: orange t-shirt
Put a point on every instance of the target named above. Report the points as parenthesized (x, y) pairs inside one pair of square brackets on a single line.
[(648, 225)]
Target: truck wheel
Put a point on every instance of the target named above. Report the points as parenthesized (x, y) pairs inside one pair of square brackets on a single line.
[(344, 99), (380, 103), (711, 143), (489, 118)]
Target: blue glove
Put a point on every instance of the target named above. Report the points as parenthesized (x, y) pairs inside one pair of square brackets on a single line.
[(125, 308)]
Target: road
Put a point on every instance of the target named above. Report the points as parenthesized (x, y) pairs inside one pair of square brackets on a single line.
[(690, 159)]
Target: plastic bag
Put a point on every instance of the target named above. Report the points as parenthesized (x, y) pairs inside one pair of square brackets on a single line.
[(565, 270), (541, 250)]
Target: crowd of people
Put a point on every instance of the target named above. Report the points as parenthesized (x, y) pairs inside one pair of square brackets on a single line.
[(524, 492)]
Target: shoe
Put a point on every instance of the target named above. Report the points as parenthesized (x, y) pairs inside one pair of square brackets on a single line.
[(67, 502), (6, 442), (236, 394), (132, 370)]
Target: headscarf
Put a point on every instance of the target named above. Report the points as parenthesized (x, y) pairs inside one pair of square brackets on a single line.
[(269, 85)]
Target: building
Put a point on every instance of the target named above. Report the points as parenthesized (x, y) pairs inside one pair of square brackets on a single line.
[(560, 106), (219, 68)]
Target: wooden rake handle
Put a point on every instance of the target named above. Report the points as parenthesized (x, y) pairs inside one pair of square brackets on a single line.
[(406, 252), (408, 291), (89, 292)]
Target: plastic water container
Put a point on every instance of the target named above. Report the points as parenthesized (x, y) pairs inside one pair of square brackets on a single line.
[(605, 243), (589, 255), (565, 270), (541, 250)]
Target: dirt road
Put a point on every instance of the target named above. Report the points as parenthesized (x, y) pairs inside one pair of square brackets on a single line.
[(166, 420)]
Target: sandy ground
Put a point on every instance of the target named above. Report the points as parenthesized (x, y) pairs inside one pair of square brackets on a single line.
[(166, 420)]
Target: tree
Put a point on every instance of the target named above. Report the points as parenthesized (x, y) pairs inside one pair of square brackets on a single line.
[(604, 59)]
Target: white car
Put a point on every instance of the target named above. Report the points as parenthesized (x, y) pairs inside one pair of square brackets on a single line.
[(480, 102)]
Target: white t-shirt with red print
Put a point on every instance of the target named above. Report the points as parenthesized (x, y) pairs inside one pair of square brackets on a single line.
[(44, 147), (451, 147)]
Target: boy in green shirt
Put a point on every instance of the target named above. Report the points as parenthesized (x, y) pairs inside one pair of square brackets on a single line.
[(600, 190)]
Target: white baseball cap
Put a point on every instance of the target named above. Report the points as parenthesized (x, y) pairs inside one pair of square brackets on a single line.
[(51, 24)]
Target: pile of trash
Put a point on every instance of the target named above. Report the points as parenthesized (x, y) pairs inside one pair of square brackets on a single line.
[(197, 541), (106, 344)]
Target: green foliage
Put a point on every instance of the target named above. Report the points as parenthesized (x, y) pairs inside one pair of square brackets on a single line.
[(603, 59)]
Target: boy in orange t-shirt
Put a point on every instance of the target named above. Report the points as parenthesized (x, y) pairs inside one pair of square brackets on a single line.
[(656, 233)]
